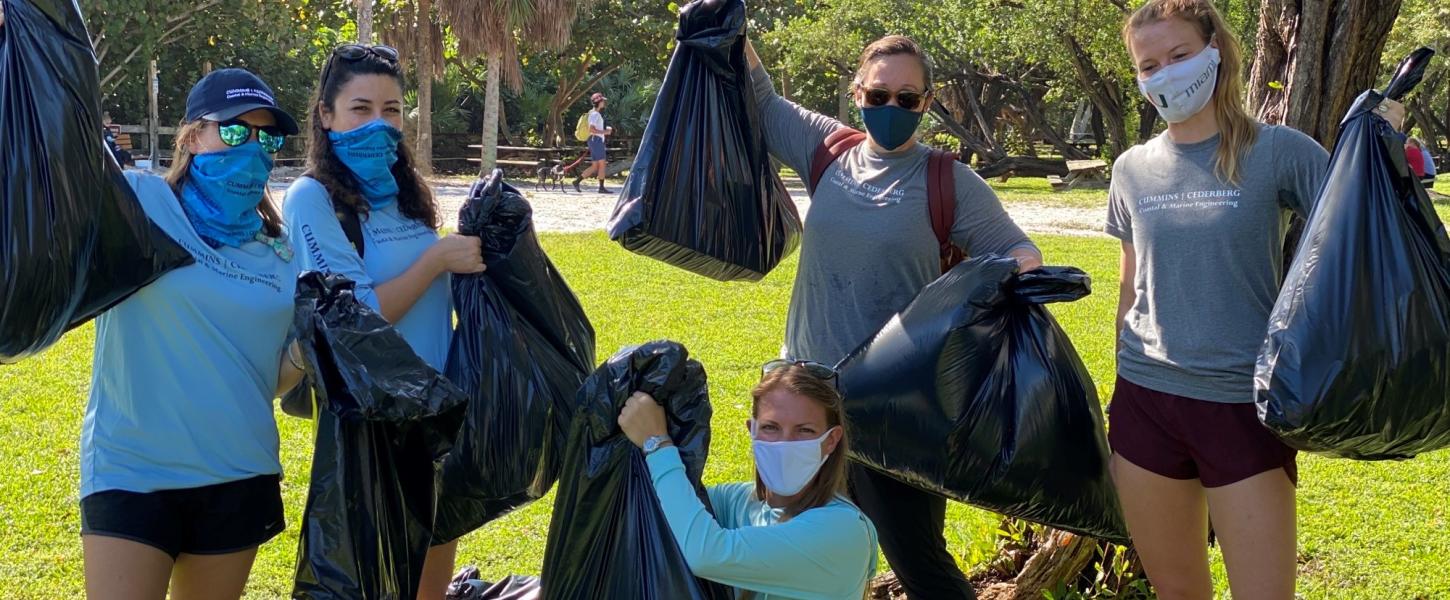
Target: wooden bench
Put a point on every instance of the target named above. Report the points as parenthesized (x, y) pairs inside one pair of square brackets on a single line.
[(1081, 175)]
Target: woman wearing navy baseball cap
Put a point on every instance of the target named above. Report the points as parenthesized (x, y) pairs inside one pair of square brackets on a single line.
[(180, 474)]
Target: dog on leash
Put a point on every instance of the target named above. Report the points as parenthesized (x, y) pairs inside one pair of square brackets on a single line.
[(551, 173)]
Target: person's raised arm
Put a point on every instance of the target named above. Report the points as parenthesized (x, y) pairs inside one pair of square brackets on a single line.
[(792, 132)]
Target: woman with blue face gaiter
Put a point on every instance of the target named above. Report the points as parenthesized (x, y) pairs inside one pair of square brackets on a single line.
[(867, 250), (362, 211), (180, 475)]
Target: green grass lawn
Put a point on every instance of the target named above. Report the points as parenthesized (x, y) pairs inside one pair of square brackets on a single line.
[(1368, 530)]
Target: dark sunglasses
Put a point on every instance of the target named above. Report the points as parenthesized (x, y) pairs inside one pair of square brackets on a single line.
[(235, 132), (812, 368), (356, 52), (906, 99)]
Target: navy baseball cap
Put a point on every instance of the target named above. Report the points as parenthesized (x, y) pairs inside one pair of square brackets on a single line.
[(229, 93)]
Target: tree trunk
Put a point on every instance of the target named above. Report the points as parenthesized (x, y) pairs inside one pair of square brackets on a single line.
[(365, 21), (1320, 54), (843, 99), (1021, 166), (1147, 119), (489, 153), (153, 120), (423, 156), (1058, 559), (1104, 94), (1030, 105)]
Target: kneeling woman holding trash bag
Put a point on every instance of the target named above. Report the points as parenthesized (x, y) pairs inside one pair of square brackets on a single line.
[(362, 211), (1202, 211), (791, 533)]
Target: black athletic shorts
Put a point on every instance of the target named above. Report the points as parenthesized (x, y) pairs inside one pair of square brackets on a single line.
[(215, 519)]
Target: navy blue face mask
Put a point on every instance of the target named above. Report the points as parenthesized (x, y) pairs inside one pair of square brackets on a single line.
[(890, 126)]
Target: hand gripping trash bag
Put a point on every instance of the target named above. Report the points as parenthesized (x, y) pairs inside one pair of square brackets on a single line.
[(1357, 358), (520, 350), (608, 538), (975, 393), (384, 420), (702, 194), (74, 241)]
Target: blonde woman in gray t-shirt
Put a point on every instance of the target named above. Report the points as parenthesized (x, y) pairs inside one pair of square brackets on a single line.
[(867, 250), (1202, 211)]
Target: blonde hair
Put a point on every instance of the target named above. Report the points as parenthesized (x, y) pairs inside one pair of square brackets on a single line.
[(181, 168), (1237, 130), (830, 480)]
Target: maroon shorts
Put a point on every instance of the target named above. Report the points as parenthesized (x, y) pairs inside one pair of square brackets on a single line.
[(1183, 438)]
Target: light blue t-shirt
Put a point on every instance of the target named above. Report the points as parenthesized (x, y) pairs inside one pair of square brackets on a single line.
[(186, 368), (391, 244), (825, 553)]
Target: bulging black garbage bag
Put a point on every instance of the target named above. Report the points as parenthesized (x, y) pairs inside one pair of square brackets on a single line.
[(521, 348), (74, 241), (384, 421), (1357, 358), (469, 585), (702, 194), (975, 392), (608, 537)]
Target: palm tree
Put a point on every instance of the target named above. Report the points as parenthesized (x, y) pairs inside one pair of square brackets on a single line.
[(419, 39), (493, 28), (365, 21)]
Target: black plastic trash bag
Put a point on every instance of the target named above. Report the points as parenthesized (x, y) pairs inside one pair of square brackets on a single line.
[(469, 585), (521, 348), (384, 421), (702, 194), (74, 241), (975, 392), (1357, 358), (608, 537)]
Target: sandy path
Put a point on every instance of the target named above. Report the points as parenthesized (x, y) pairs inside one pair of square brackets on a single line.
[(574, 212)]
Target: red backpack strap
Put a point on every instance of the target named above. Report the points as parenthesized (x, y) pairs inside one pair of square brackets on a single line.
[(835, 144), (941, 201)]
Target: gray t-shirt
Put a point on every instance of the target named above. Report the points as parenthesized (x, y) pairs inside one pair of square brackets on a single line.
[(868, 247), (1209, 257)]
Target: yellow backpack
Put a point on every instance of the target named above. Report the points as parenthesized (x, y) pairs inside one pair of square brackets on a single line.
[(581, 130)]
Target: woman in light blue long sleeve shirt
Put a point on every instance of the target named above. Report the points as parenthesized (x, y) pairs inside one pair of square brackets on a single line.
[(789, 535)]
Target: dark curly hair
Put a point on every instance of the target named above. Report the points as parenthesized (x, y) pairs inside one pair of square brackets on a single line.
[(415, 200)]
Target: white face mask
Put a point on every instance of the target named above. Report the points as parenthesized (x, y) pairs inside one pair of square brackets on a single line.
[(1180, 90), (786, 467)]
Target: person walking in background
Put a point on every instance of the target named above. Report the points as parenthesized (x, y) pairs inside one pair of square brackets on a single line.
[(597, 152)]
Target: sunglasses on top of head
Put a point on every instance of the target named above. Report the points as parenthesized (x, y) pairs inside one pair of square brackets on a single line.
[(906, 99), (814, 369), (356, 52), (235, 132)]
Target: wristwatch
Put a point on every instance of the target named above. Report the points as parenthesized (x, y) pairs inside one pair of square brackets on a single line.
[(655, 442)]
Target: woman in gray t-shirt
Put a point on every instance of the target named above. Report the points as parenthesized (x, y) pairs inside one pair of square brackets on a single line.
[(867, 250), (1202, 211)]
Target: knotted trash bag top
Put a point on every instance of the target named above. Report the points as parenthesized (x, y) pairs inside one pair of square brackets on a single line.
[(702, 194), (974, 392)]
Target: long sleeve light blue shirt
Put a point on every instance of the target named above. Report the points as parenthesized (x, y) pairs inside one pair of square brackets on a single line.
[(825, 553)]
